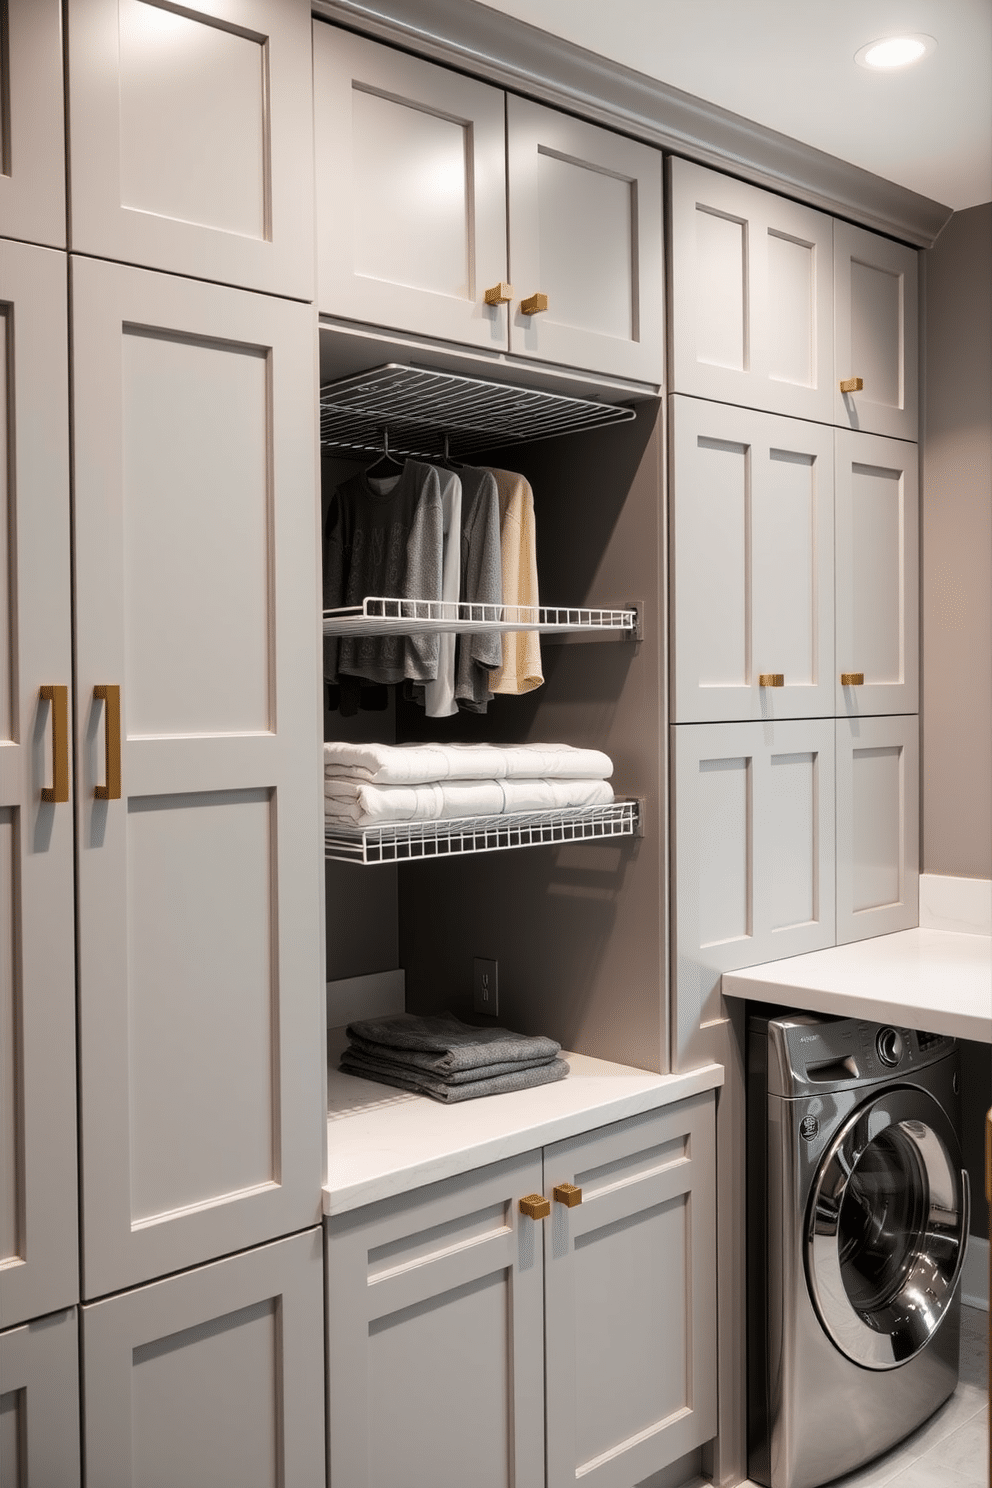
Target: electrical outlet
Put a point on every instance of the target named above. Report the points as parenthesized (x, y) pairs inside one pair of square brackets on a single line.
[(485, 986)]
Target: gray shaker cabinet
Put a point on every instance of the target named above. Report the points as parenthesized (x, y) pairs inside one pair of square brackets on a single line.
[(39, 1403), (32, 140)]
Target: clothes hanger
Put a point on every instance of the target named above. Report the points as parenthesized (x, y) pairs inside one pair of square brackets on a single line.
[(446, 462), (386, 465)]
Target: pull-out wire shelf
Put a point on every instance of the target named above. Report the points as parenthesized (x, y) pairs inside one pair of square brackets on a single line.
[(405, 842), (425, 412), (377, 616)]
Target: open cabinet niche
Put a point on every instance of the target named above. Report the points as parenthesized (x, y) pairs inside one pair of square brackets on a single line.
[(578, 928)]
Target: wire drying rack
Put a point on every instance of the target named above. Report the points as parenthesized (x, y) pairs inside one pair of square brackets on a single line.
[(428, 413), (378, 616), (405, 842)]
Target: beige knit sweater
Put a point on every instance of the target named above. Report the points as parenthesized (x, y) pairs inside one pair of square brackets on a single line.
[(521, 669)]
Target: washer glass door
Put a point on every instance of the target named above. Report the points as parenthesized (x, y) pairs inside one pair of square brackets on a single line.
[(887, 1227)]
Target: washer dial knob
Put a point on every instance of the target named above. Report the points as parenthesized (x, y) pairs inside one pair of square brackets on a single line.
[(890, 1046)]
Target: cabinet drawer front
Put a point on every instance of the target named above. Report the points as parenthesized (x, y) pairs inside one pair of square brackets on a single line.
[(630, 1297), (878, 805), (411, 192), (876, 317), (39, 1403)]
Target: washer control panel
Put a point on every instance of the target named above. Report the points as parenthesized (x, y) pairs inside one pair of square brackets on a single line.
[(808, 1053)]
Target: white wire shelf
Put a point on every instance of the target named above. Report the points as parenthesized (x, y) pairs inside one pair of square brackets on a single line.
[(377, 616), (421, 409), (405, 842)]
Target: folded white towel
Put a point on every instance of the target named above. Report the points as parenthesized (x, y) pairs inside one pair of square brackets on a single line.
[(362, 804), (420, 764)]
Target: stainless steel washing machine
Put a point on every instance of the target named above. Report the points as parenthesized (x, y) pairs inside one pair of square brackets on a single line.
[(857, 1227)]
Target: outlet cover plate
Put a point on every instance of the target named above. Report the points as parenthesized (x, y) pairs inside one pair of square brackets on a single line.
[(485, 987)]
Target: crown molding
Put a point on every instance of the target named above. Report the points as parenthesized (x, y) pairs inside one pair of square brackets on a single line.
[(523, 59)]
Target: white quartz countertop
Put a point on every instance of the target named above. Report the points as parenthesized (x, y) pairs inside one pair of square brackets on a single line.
[(937, 980), (382, 1141)]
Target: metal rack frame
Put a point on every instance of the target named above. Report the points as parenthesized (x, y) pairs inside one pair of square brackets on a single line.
[(404, 842), (377, 616)]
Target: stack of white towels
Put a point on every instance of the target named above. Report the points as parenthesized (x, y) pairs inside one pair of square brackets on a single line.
[(375, 784)]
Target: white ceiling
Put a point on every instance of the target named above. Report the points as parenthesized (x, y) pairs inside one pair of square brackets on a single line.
[(789, 64)]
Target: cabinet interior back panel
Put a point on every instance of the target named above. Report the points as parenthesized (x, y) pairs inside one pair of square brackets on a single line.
[(572, 197), (784, 569), (791, 310), (197, 523), (878, 332), (202, 993), (721, 290), (724, 826), (12, 1438), (877, 542), (11, 1172), (630, 1366), (411, 168), (876, 827), (452, 1422), (791, 885), (6, 528), (722, 610), (193, 139), (205, 1402)]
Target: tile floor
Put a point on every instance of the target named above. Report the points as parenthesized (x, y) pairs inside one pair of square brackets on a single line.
[(951, 1449)]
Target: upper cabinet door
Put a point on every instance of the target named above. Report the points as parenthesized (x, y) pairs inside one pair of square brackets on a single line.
[(752, 561), (411, 192), (32, 122), (199, 872), (877, 542), (38, 1250), (190, 148), (585, 232), (876, 332), (752, 290)]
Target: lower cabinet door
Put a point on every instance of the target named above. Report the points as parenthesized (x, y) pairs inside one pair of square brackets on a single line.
[(878, 825), (39, 1403), (630, 1297), (210, 1377), (435, 1355)]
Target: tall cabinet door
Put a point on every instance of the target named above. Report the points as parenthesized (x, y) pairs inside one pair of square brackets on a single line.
[(877, 575), (38, 1243), (32, 121), (876, 328), (411, 192), (191, 141), (878, 826), (585, 232), (752, 296), (39, 1403), (752, 564), (198, 771), (630, 1297)]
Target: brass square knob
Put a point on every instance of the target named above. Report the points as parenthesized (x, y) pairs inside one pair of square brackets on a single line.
[(500, 294), (567, 1194), (534, 305), (771, 679), (535, 1206), (852, 385)]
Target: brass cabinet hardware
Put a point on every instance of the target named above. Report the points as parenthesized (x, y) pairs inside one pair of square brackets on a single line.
[(852, 679), (536, 1206), (771, 679), (59, 698), (567, 1194), (111, 698), (852, 385), (500, 294), (534, 305)]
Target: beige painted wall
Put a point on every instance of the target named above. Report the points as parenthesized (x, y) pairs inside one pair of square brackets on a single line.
[(957, 550)]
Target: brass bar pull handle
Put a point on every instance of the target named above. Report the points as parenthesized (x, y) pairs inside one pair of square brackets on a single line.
[(567, 1194), (535, 1206), (500, 294), (771, 679), (852, 385), (852, 679), (59, 699), (534, 305), (111, 698)]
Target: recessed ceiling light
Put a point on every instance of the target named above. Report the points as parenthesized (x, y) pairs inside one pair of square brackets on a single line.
[(895, 51)]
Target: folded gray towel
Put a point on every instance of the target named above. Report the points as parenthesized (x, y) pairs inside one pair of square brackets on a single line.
[(413, 1062), (450, 1044), (444, 1090)]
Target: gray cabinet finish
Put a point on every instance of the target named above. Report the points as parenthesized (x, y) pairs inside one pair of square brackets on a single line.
[(38, 1245), (191, 141), (39, 1403), (213, 1376), (876, 332), (32, 114)]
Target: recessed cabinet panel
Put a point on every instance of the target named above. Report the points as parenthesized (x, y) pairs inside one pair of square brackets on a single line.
[(877, 826), (39, 1403), (38, 1250), (190, 147), (411, 192), (752, 564), (876, 331), (751, 296), (32, 118), (585, 231), (876, 575), (214, 1376), (198, 769)]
